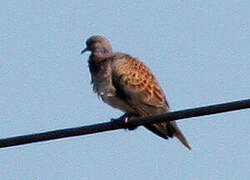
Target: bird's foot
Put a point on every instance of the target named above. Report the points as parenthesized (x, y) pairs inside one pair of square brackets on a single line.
[(125, 119)]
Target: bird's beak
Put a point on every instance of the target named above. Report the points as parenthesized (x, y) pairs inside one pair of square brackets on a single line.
[(83, 51)]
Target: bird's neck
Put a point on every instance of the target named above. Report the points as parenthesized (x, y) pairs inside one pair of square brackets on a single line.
[(98, 56), (97, 61)]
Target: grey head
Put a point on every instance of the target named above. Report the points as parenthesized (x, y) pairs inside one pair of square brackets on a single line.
[(98, 45)]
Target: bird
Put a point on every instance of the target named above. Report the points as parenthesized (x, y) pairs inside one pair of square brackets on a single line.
[(126, 83)]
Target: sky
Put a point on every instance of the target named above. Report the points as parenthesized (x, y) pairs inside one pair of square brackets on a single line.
[(198, 50)]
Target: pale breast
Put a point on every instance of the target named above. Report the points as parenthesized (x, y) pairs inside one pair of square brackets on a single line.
[(116, 102), (103, 86)]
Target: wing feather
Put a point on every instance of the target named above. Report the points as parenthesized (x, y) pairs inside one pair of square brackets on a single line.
[(137, 86)]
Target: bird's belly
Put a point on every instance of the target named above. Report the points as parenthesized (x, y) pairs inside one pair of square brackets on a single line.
[(107, 92), (116, 102)]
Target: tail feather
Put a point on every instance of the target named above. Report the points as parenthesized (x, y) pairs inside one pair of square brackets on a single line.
[(168, 129), (179, 135)]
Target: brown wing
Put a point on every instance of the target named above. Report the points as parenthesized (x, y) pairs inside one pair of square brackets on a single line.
[(136, 85)]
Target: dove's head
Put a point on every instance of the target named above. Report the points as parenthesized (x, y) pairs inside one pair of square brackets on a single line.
[(98, 45)]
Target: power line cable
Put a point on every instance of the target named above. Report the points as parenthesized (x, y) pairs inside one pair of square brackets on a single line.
[(114, 125)]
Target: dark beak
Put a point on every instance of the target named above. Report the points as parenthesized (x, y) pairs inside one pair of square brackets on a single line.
[(83, 51)]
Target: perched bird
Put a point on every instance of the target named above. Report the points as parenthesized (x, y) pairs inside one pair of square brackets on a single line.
[(124, 82)]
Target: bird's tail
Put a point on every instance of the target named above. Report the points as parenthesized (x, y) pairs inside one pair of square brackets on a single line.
[(168, 129)]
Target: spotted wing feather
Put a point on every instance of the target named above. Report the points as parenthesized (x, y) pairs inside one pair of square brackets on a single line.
[(137, 86), (140, 86)]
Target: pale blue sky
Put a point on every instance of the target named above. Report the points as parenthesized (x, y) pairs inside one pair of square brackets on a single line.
[(198, 50)]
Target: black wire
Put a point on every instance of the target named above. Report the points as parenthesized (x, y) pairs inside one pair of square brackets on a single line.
[(108, 126)]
